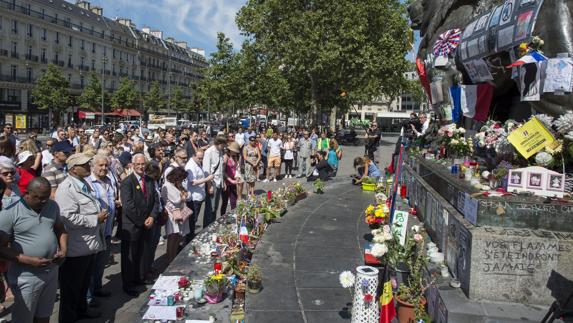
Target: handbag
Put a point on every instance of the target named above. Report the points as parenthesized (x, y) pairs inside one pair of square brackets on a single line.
[(178, 214)]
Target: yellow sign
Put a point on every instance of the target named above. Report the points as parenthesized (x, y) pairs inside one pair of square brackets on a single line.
[(530, 138), (20, 121)]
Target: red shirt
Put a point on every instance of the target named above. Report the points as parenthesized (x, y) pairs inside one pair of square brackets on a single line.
[(25, 177)]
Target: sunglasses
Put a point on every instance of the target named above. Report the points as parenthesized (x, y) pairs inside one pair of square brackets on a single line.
[(11, 173)]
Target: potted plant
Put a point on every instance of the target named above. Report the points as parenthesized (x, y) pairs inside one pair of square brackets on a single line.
[(299, 191), (318, 186), (215, 285), (410, 296), (254, 279), (375, 216)]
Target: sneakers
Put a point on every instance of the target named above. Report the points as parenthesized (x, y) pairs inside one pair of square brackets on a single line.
[(266, 180)]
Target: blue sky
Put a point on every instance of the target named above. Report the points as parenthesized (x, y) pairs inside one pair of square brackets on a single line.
[(194, 21)]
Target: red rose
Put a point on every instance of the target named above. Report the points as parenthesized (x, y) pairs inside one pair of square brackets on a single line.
[(368, 298)]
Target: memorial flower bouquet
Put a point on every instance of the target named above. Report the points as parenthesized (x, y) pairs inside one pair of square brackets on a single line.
[(215, 286), (376, 215)]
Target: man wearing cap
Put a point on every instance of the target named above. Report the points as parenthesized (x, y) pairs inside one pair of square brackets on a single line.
[(33, 237), (55, 172), (139, 211), (84, 220)]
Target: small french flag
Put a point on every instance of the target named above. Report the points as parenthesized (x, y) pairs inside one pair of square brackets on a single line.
[(243, 233), (532, 57)]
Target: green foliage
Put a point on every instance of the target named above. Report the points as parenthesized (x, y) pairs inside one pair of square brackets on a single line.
[(90, 99), (414, 88), (126, 96), (318, 186), (154, 100), (319, 49), (51, 91), (177, 103)]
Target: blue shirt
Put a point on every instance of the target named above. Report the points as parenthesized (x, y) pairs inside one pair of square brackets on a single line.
[(332, 159), (105, 192), (373, 171), (313, 141), (264, 147)]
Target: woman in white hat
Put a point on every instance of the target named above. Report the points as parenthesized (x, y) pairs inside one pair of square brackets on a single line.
[(26, 171)]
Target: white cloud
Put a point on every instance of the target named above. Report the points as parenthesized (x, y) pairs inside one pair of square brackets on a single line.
[(196, 19)]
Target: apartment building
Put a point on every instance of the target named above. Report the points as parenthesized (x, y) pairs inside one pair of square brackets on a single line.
[(81, 40)]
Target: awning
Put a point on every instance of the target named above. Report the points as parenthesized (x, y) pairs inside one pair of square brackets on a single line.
[(125, 113)]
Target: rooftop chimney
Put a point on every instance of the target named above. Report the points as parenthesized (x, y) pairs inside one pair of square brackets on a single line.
[(199, 51), (157, 33), (146, 30), (97, 10), (182, 44), (125, 22), (83, 4)]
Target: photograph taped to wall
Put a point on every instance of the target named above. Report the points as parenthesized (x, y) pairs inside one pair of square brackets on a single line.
[(505, 37), (523, 22)]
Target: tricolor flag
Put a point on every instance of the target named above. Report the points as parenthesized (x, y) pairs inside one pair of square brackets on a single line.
[(387, 309), (531, 57), (243, 232)]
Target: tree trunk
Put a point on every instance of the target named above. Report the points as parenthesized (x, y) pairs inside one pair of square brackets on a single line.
[(333, 119), (314, 119)]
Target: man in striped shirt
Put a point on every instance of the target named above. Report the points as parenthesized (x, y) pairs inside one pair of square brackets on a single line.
[(55, 172)]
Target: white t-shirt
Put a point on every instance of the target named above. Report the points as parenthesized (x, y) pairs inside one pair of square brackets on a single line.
[(240, 139), (275, 147), (195, 172)]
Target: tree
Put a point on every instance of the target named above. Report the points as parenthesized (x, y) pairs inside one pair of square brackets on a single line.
[(177, 103), (219, 85), (90, 99), (154, 100), (325, 48), (125, 96), (51, 92)]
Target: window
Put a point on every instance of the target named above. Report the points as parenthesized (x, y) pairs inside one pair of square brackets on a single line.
[(29, 51), (15, 26), (29, 74), (81, 81), (44, 34), (13, 72), (56, 58), (104, 51), (57, 37), (43, 14), (70, 60), (14, 48), (30, 30), (70, 78), (113, 53), (82, 61), (28, 10), (67, 22), (93, 64), (56, 18), (43, 55), (13, 95), (81, 27), (113, 84), (70, 41), (93, 47), (0, 22)]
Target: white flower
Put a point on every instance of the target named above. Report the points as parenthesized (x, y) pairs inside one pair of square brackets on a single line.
[(565, 123), (386, 228), (376, 232), (346, 279), (569, 135), (543, 158), (416, 228), (378, 238), (454, 142), (462, 130), (378, 250)]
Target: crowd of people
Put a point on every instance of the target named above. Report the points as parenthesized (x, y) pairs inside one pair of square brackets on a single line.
[(66, 201)]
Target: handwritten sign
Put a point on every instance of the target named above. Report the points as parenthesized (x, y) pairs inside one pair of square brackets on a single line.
[(400, 225), (471, 209), (530, 138)]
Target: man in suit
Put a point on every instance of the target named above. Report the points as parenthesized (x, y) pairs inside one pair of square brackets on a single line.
[(138, 199)]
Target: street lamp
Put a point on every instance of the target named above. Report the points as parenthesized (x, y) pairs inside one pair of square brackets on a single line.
[(104, 61)]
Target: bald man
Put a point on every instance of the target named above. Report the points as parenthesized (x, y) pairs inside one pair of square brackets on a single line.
[(33, 237)]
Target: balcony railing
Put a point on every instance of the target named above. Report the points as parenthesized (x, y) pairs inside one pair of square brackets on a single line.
[(70, 65), (59, 63), (12, 78), (32, 58), (3, 52), (44, 60), (14, 55)]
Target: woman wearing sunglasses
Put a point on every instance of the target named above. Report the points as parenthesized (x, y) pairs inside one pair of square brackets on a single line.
[(8, 175)]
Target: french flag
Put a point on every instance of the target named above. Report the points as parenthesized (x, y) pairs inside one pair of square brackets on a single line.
[(243, 233), (532, 57)]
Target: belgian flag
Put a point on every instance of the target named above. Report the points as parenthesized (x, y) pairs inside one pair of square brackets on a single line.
[(387, 308)]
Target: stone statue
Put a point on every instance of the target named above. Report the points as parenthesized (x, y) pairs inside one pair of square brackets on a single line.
[(554, 25)]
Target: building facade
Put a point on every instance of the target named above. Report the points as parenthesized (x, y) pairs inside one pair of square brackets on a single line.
[(80, 40)]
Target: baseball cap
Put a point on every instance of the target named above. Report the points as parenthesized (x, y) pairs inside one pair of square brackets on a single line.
[(78, 159), (63, 146), (23, 156)]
